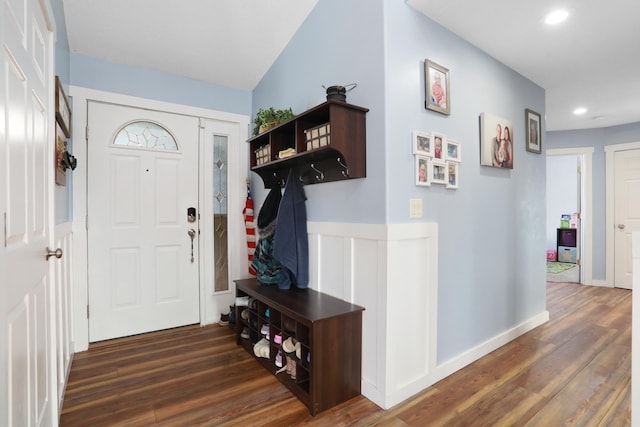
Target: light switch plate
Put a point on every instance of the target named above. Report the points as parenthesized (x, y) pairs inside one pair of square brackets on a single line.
[(415, 208)]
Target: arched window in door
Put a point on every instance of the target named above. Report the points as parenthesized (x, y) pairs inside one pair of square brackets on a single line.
[(145, 134)]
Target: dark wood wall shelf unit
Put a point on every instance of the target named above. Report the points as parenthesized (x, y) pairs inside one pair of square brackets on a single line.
[(330, 333), (343, 156)]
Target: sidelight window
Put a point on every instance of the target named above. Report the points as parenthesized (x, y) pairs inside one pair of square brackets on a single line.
[(220, 226)]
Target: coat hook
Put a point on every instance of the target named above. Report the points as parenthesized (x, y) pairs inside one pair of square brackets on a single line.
[(345, 171), (279, 180), (318, 177)]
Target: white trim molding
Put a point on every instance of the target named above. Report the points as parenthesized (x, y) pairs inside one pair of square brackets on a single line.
[(209, 307), (586, 203), (392, 271), (63, 291)]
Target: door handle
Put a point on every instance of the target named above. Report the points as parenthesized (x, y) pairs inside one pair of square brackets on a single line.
[(621, 226), (192, 234), (57, 253)]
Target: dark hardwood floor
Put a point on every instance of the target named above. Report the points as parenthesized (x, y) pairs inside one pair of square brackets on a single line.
[(573, 370)]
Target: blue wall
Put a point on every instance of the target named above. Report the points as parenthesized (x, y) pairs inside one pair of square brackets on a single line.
[(108, 76), (492, 229), (562, 192), (598, 139), (84, 71), (339, 43)]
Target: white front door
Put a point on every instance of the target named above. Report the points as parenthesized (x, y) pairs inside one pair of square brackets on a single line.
[(627, 212), (27, 393), (142, 181)]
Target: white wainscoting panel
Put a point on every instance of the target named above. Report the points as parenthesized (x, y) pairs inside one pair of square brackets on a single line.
[(391, 270), (64, 312)]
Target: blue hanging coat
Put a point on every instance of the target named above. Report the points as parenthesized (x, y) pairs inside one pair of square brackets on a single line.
[(267, 268), (291, 243)]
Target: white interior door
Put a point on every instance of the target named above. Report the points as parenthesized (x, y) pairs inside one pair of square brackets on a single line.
[(627, 212), (142, 179), (28, 396)]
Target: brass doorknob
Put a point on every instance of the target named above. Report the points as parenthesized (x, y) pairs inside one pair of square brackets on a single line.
[(57, 253)]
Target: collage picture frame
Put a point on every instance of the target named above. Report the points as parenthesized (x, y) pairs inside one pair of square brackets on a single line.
[(437, 159)]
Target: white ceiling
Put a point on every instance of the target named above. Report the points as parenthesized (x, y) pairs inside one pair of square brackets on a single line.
[(593, 60), (228, 42)]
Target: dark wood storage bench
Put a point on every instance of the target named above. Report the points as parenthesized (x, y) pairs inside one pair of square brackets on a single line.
[(330, 332)]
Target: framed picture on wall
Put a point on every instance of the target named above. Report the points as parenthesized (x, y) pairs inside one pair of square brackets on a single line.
[(422, 143), (438, 143), (453, 151), (437, 87), (63, 112), (422, 171), (452, 174), (496, 141), (534, 131), (438, 173)]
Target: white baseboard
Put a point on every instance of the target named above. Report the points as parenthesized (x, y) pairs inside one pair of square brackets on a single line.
[(601, 283), (449, 367)]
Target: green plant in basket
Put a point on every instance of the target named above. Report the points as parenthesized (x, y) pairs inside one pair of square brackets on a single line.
[(267, 118)]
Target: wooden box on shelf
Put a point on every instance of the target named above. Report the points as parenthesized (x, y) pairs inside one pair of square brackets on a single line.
[(329, 330), (343, 155)]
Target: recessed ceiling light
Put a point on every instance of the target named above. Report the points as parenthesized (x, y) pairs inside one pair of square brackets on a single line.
[(556, 17), (579, 111)]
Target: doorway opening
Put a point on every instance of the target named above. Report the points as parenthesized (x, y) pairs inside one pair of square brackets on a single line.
[(569, 192)]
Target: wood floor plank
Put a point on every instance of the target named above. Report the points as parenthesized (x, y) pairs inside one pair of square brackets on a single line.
[(573, 370)]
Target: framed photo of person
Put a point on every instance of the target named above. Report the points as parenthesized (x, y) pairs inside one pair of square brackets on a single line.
[(496, 141), (422, 171), (534, 131), (437, 87), (438, 141), (422, 143), (438, 173), (453, 151), (452, 174)]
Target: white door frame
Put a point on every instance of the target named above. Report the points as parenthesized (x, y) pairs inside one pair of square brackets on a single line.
[(80, 97), (609, 151), (586, 197)]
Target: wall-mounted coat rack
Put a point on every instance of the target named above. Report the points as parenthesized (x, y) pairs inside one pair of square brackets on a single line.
[(329, 142)]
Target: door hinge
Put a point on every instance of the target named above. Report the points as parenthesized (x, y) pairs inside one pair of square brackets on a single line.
[(580, 215), (579, 169), (86, 222), (87, 311), (578, 262), (86, 133), (202, 123), (5, 229)]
